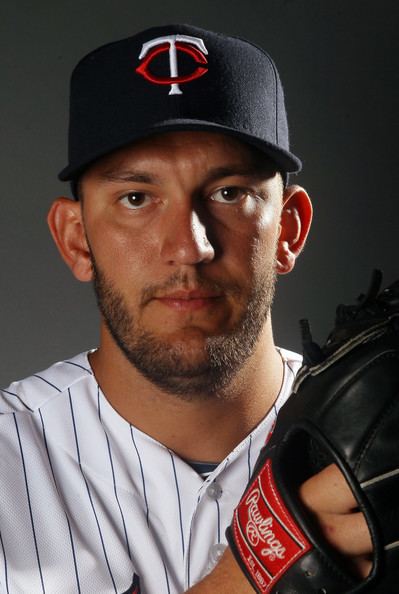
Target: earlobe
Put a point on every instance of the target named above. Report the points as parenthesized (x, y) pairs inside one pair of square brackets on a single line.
[(296, 218), (66, 226)]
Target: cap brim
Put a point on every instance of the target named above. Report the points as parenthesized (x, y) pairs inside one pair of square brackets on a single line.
[(286, 161)]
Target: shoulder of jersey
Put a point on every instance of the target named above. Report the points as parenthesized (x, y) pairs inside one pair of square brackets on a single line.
[(31, 393)]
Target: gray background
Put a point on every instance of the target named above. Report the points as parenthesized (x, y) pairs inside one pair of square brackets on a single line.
[(339, 64)]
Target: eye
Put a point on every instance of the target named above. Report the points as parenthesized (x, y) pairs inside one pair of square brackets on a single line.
[(229, 195), (135, 200)]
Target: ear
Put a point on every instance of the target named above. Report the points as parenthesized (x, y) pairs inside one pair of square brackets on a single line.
[(296, 218), (65, 221)]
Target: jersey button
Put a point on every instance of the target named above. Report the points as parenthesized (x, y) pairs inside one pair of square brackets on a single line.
[(214, 491), (215, 552)]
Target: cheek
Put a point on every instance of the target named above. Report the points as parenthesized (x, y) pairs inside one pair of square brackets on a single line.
[(256, 237), (263, 254), (123, 254)]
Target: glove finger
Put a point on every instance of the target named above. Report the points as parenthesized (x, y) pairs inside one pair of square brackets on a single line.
[(361, 566), (348, 533), (327, 491), (331, 501)]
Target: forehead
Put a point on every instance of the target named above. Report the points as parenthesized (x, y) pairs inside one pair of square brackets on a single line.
[(197, 147)]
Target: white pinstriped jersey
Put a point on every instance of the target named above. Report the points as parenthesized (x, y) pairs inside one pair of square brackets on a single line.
[(87, 501)]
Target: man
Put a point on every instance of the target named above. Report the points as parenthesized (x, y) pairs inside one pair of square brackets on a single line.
[(122, 466)]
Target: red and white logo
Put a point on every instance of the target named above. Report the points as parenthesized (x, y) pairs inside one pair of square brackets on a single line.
[(267, 536), (261, 528), (193, 46)]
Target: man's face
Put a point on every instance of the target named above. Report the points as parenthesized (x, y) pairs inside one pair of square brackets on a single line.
[(183, 229)]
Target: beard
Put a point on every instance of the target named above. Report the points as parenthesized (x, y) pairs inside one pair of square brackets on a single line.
[(168, 365)]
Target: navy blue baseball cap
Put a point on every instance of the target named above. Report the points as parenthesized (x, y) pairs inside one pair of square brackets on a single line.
[(175, 77)]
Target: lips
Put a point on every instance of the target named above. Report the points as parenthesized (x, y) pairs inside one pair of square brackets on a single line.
[(188, 295), (189, 300)]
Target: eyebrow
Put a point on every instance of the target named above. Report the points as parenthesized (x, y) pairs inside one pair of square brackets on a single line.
[(251, 170), (215, 173), (140, 177)]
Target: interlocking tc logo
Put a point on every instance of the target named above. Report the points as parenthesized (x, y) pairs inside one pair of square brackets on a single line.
[(193, 46)]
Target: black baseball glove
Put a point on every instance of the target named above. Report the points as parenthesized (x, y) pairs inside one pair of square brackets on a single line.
[(344, 409)]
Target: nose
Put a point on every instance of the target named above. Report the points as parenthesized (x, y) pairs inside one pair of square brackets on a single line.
[(185, 239)]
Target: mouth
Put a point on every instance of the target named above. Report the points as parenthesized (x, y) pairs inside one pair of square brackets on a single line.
[(189, 300)]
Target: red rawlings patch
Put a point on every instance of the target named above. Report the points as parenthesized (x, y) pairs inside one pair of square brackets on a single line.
[(267, 536)]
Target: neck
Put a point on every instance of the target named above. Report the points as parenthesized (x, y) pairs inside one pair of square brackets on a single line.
[(217, 424)]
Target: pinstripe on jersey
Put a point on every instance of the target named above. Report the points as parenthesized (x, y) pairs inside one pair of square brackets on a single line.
[(87, 500)]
